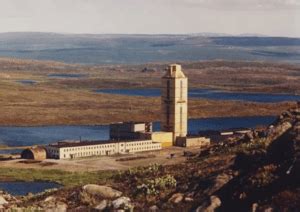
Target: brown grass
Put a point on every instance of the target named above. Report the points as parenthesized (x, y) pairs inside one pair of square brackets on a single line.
[(70, 101)]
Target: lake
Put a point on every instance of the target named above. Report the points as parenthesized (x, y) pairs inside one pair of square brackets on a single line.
[(10, 151), (25, 136), (209, 94), (27, 82), (22, 188), (67, 75)]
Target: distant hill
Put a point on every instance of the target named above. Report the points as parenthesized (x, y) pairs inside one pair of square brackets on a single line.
[(130, 49)]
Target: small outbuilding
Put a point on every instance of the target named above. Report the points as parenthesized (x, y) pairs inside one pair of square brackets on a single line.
[(34, 153)]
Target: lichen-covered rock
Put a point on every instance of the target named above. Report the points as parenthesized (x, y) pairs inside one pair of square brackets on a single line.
[(122, 203), (102, 191)]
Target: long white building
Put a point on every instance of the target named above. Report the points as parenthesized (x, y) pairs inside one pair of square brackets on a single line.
[(76, 149)]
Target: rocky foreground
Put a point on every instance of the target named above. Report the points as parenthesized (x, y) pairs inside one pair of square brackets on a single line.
[(256, 172)]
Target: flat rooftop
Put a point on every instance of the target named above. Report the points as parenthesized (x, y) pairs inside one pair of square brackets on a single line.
[(64, 144), (131, 122)]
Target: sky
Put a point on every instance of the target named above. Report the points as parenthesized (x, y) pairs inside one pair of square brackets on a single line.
[(265, 17)]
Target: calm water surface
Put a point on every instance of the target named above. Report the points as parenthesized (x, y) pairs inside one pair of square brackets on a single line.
[(209, 94), (23, 188), (23, 136), (11, 151), (27, 82), (67, 75)]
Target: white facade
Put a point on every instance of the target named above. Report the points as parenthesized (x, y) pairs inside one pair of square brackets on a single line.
[(88, 149)]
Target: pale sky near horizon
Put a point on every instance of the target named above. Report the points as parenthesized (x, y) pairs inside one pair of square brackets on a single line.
[(267, 17)]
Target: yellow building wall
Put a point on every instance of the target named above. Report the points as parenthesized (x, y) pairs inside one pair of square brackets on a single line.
[(165, 138)]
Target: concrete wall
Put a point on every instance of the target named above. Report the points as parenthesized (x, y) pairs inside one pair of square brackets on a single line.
[(174, 102), (165, 138)]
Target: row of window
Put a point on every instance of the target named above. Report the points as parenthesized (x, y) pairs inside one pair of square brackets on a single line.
[(103, 146), (108, 152), (89, 147), (145, 148), (85, 154), (137, 143), (52, 150)]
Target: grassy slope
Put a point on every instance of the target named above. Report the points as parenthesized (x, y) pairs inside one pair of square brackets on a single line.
[(65, 178)]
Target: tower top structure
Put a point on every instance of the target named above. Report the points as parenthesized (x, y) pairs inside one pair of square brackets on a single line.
[(174, 71)]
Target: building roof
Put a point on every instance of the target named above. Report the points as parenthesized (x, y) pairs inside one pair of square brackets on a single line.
[(65, 144), (35, 149), (235, 129), (174, 71), (130, 122)]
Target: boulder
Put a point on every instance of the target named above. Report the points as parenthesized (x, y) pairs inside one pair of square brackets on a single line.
[(219, 182), (176, 198), (215, 202), (81, 208), (254, 207), (102, 191), (56, 207), (101, 206), (2, 200), (153, 208), (269, 209), (50, 199), (122, 203), (188, 199)]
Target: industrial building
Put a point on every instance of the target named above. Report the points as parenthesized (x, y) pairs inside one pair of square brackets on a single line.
[(79, 149), (132, 137), (139, 130), (129, 130)]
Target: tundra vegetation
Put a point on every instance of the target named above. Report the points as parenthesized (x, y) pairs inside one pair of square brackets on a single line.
[(72, 101)]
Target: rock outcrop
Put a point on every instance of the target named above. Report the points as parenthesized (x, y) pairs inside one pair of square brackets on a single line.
[(102, 191)]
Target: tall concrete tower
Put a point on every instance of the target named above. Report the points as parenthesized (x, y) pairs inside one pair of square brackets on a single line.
[(174, 102)]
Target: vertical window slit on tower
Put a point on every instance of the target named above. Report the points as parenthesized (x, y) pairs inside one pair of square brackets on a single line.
[(181, 89), (168, 114), (180, 119), (168, 89)]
